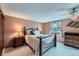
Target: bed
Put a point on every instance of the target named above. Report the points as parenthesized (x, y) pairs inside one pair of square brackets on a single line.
[(40, 43)]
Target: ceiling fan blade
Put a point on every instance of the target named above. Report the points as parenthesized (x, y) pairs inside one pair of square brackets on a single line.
[(77, 6), (74, 10)]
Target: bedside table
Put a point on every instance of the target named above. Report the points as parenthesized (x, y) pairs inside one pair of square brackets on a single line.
[(18, 41)]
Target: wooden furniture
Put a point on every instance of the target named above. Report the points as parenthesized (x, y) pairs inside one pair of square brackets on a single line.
[(18, 41), (74, 24), (72, 39), (1, 31)]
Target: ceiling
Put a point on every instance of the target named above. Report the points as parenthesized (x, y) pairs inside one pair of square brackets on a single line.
[(40, 12)]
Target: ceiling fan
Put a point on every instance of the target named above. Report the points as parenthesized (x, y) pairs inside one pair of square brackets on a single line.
[(71, 10), (74, 11)]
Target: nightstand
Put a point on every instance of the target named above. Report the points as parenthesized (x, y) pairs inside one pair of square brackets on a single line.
[(18, 41)]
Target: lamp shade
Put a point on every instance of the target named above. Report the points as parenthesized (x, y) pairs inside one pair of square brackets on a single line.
[(19, 32)]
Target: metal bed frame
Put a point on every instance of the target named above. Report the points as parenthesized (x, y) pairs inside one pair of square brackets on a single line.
[(40, 45)]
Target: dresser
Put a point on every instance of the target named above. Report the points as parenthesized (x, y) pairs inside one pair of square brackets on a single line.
[(18, 41), (71, 39), (1, 32)]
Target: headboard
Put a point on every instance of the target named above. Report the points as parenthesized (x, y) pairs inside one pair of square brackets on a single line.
[(25, 29)]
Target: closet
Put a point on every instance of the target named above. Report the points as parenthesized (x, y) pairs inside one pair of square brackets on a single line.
[(1, 31)]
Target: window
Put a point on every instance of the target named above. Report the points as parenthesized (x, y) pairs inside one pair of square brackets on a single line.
[(56, 27)]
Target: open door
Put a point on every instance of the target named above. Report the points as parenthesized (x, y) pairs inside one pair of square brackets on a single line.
[(1, 32)]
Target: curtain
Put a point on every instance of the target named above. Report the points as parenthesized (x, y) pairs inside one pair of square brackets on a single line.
[(55, 27)]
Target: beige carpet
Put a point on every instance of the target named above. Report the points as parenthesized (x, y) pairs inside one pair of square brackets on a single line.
[(19, 51)]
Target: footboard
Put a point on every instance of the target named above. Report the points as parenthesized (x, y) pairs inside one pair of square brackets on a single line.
[(49, 46)]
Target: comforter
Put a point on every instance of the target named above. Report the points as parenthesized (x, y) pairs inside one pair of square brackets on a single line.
[(33, 41)]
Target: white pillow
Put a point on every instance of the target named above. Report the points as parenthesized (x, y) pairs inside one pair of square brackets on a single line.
[(36, 32), (28, 32)]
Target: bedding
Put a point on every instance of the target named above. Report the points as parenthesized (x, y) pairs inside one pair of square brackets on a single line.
[(34, 41), (36, 32), (29, 31)]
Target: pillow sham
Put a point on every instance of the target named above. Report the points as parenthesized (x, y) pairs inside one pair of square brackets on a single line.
[(36, 32), (30, 32)]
